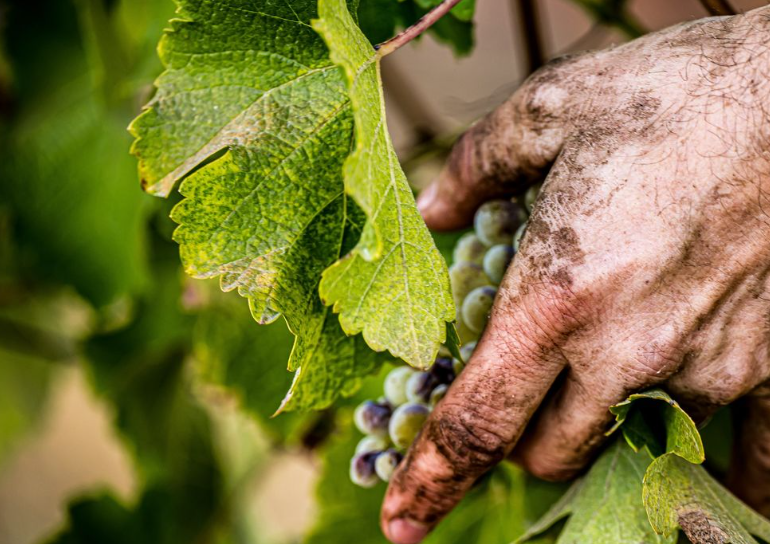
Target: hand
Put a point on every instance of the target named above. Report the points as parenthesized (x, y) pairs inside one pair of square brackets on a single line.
[(646, 261)]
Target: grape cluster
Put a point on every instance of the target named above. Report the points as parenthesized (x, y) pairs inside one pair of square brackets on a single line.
[(393, 421)]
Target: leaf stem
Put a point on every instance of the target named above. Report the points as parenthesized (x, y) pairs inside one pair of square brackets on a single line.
[(425, 22)]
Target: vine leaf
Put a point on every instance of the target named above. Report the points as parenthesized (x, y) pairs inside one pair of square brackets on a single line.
[(605, 506), (270, 214), (463, 11), (677, 491), (394, 286), (679, 494), (642, 420)]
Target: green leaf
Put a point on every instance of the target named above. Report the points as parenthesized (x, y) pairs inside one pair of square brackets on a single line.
[(381, 20), (270, 214), (679, 494), (394, 286), (643, 421), (605, 506), (65, 172), (463, 11)]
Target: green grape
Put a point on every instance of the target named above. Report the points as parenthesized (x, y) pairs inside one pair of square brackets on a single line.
[(457, 366), (372, 417), (467, 350), (497, 220), (469, 249), (518, 236), (464, 278), (496, 262), (438, 394), (531, 196), (362, 470), (476, 307), (395, 385), (419, 386), (406, 423), (371, 443), (386, 464)]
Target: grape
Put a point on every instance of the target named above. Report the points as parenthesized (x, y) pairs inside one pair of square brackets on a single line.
[(371, 443), (442, 370), (467, 350), (496, 262), (419, 386), (476, 307), (457, 366), (497, 220), (469, 249), (406, 423), (518, 236), (395, 385), (438, 394), (362, 471), (465, 277), (531, 196), (372, 417), (386, 464)]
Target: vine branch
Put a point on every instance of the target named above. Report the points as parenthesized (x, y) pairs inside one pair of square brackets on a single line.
[(425, 22)]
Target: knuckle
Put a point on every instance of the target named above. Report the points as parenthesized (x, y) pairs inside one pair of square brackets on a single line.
[(469, 439), (721, 384), (546, 90)]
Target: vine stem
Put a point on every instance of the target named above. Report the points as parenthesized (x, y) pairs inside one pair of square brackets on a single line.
[(425, 22)]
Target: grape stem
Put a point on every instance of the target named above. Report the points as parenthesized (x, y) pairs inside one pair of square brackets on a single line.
[(425, 22)]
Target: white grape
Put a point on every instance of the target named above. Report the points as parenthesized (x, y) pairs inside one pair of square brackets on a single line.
[(476, 307), (395, 385), (406, 423), (496, 221), (496, 262), (469, 249)]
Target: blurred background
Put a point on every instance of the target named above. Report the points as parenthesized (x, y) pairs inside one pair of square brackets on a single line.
[(123, 415)]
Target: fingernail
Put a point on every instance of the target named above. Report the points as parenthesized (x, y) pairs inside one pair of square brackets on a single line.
[(427, 197), (406, 531)]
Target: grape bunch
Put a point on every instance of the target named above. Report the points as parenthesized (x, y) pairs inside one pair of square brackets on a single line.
[(481, 258)]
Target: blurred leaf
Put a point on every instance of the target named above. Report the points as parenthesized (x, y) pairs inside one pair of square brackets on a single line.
[(462, 11), (39, 331), (380, 20), (24, 386), (65, 171), (249, 360), (605, 506), (394, 285)]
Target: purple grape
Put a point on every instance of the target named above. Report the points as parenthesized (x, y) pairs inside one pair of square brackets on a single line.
[(443, 370), (362, 471), (419, 386), (373, 417)]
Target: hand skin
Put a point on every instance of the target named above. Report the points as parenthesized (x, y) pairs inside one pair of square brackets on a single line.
[(646, 262)]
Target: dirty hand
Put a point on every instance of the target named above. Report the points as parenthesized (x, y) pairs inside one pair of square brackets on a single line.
[(646, 261)]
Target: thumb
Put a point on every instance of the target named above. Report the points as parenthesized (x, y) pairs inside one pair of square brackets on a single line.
[(476, 425), (501, 155)]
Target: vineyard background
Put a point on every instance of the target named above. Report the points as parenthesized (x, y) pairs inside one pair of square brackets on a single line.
[(71, 446)]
